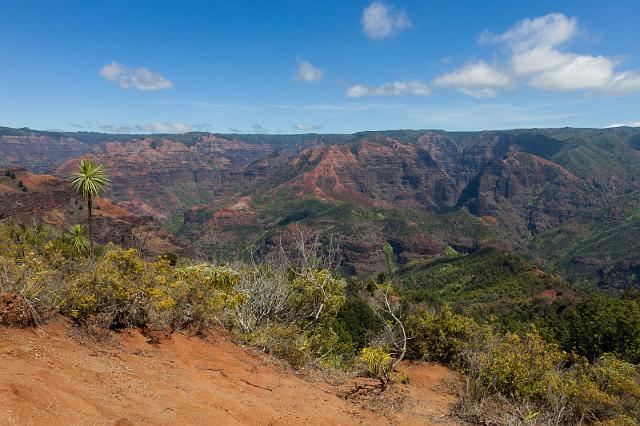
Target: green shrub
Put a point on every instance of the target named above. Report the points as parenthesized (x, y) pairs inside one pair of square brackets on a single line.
[(602, 324), (202, 294), (32, 267), (355, 323), (287, 342), (608, 389), (550, 385), (318, 295), (41, 285), (18, 240), (519, 367), (441, 336), (119, 290)]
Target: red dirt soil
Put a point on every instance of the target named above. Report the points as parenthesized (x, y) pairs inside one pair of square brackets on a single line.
[(48, 377)]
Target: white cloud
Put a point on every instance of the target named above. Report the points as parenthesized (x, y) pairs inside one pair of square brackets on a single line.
[(380, 21), (544, 31), (576, 72), (632, 124), (536, 60), (138, 78), (397, 88), (624, 83), (153, 127), (308, 72), (306, 127), (535, 55), (478, 79), (357, 90)]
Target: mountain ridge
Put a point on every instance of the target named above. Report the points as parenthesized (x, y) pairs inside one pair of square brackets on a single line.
[(231, 194)]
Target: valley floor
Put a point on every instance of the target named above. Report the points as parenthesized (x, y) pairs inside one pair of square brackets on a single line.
[(56, 375)]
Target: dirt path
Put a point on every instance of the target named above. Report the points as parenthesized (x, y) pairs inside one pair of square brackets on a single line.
[(47, 377)]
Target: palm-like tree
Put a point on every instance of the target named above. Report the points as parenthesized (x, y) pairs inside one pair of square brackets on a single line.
[(88, 181), (77, 239)]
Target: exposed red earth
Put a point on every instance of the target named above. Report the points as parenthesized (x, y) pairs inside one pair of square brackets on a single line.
[(56, 375)]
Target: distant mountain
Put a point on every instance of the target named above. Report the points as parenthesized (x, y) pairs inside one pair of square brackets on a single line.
[(601, 247), (391, 197)]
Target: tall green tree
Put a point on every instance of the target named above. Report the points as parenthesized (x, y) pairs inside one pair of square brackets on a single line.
[(89, 181)]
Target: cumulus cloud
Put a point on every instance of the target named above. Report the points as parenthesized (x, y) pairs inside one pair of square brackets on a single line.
[(306, 71), (153, 127), (575, 72), (306, 127), (396, 88), (478, 79), (536, 56), (380, 21), (138, 78)]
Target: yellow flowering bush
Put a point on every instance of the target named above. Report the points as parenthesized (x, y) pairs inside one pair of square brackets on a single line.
[(608, 388), (120, 289), (202, 294), (377, 361), (285, 341), (518, 367), (441, 336), (33, 278)]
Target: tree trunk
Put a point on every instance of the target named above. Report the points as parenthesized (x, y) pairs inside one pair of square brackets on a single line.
[(89, 205)]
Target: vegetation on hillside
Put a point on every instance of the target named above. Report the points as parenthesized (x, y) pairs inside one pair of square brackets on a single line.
[(488, 283), (297, 309), (587, 249)]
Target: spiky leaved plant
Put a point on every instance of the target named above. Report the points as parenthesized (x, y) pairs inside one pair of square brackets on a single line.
[(77, 239), (89, 181)]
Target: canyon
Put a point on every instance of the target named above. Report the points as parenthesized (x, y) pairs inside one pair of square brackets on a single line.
[(390, 196)]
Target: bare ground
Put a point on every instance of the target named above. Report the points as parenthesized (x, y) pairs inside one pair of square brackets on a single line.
[(55, 375)]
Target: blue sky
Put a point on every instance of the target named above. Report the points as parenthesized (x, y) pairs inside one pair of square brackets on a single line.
[(322, 66)]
